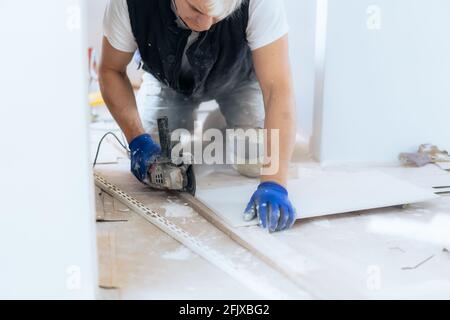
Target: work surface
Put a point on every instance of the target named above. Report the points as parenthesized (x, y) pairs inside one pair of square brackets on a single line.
[(382, 254)]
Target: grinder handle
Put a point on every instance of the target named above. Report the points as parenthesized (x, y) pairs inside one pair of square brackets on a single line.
[(164, 137)]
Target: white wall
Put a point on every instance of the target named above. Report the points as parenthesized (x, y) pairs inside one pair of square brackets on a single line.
[(47, 235), (301, 15), (95, 12), (302, 20), (386, 85)]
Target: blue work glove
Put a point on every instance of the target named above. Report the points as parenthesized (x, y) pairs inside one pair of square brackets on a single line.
[(272, 206), (144, 151)]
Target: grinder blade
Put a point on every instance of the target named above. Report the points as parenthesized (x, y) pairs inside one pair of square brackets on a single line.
[(191, 185)]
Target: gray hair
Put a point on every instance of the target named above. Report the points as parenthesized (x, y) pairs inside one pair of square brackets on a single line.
[(223, 8)]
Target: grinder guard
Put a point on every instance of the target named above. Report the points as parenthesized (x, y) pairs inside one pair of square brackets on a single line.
[(166, 175)]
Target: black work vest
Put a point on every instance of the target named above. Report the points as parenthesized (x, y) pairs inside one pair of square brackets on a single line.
[(220, 58)]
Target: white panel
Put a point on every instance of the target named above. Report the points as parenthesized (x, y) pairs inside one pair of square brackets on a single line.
[(319, 193), (386, 84), (47, 235)]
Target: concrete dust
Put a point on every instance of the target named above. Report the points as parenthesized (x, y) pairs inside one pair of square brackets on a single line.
[(175, 210), (180, 254)]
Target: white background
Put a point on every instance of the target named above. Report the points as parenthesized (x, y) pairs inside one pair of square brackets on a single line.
[(301, 15), (386, 90)]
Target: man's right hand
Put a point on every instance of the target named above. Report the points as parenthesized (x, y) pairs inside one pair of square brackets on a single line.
[(144, 151)]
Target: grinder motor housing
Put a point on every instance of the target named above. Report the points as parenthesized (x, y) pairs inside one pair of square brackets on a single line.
[(164, 174)]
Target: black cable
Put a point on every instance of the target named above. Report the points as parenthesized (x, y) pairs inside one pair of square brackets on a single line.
[(100, 144)]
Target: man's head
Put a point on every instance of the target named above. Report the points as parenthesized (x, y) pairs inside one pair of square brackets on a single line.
[(200, 15)]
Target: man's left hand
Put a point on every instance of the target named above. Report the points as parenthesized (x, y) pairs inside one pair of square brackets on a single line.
[(272, 206)]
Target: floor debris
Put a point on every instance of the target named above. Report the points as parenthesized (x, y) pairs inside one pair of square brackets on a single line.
[(426, 154), (398, 249), (419, 265), (110, 221)]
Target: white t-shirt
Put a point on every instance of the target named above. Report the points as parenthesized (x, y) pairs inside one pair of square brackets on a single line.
[(267, 23)]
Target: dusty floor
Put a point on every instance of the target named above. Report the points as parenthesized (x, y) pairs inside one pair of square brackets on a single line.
[(137, 260), (384, 253)]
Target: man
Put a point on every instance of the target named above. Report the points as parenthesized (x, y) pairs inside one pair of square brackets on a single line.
[(232, 51)]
